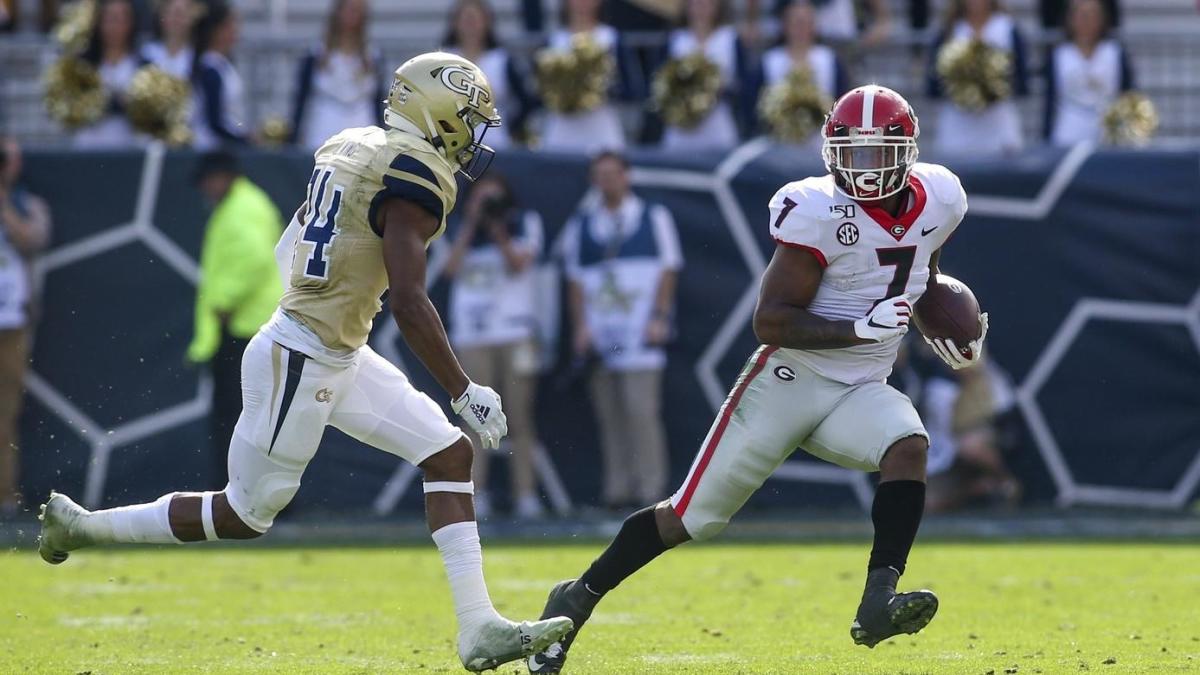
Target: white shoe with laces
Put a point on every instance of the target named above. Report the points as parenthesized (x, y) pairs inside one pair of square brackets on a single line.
[(500, 641), (61, 531)]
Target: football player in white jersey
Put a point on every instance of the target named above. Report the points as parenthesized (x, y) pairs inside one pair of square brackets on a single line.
[(855, 249), (377, 198)]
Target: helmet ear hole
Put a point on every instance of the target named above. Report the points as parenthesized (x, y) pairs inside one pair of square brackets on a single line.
[(446, 127)]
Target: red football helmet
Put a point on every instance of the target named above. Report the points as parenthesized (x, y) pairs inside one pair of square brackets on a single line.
[(870, 142)]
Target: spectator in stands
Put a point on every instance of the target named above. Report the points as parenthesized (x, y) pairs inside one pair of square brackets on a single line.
[(1053, 12), (624, 15), (172, 51), (493, 300), (838, 21), (643, 15), (622, 262), (239, 289), (1084, 75), (471, 33), (220, 110), (707, 30), (598, 129), (997, 128), (341, 81), (113, 50), (24, 230), (801, 50)]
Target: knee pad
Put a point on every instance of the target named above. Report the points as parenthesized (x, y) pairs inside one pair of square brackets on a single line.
[(266, 498), (707, 530), (703, 527)]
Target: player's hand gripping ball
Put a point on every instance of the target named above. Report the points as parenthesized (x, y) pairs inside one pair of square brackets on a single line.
[(948, 316), (887, 320)]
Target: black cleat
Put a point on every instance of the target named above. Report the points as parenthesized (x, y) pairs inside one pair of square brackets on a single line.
[(570, 599), (885, 613)]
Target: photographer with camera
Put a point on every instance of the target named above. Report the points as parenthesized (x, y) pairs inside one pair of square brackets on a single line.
[(623, 259), (493, 326)]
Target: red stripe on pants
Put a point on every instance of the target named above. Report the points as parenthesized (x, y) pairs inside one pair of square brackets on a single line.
[(726, 413)]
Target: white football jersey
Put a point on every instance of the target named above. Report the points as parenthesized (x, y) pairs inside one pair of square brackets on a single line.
[(868, 256)]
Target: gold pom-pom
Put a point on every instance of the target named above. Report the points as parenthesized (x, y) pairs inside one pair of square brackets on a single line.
[(1131, 120), (685, 90), (974, 74), (575, 80), (158, 104), (794, 107), (74, 27), (275, 131), (75, 96)]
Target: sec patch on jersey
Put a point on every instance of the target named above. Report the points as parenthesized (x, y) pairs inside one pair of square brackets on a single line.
[(948, 309)]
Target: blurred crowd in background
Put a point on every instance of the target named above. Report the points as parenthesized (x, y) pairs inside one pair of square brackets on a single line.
[(588, 76), (596, 74)]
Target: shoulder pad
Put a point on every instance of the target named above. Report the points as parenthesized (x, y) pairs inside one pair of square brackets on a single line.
[(809, 199), (940, 183)]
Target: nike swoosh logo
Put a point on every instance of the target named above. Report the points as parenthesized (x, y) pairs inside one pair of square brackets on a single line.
[(872, 324), (925, 232)]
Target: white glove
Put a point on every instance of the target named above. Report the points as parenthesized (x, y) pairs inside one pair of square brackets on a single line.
[(480, 407), (949, 352), (889, 319)]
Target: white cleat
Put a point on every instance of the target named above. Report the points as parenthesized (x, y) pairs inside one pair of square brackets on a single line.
[(60, 528), (502, 641)]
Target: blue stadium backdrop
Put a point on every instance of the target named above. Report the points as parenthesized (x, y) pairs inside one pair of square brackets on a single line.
[(1089, 262)]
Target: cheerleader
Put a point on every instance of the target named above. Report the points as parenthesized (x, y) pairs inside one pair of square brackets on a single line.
[(470, 33), (839, 21), (113, 50), (800, 50), (592, 130), (708, 32), (220, 111), (172, 51), (997, 128), (339, 85), (1084, 76)]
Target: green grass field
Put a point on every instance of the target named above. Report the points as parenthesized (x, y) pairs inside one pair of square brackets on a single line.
[(1006, 608)]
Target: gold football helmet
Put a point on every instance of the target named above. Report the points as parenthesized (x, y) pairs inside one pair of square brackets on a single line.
[(449, 101)]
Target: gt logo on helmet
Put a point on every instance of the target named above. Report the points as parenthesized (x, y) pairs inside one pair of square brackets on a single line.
[(461, 80)]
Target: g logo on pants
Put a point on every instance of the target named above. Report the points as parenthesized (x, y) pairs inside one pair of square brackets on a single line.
[(784, 373)]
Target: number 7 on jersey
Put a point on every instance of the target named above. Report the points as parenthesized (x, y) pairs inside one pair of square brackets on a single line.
[(321, 226)]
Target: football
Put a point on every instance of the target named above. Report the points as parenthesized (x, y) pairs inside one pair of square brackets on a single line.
[(948, 309)]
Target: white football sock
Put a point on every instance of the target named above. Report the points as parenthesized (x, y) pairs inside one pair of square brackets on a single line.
[(463, 559), (137, 524)]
